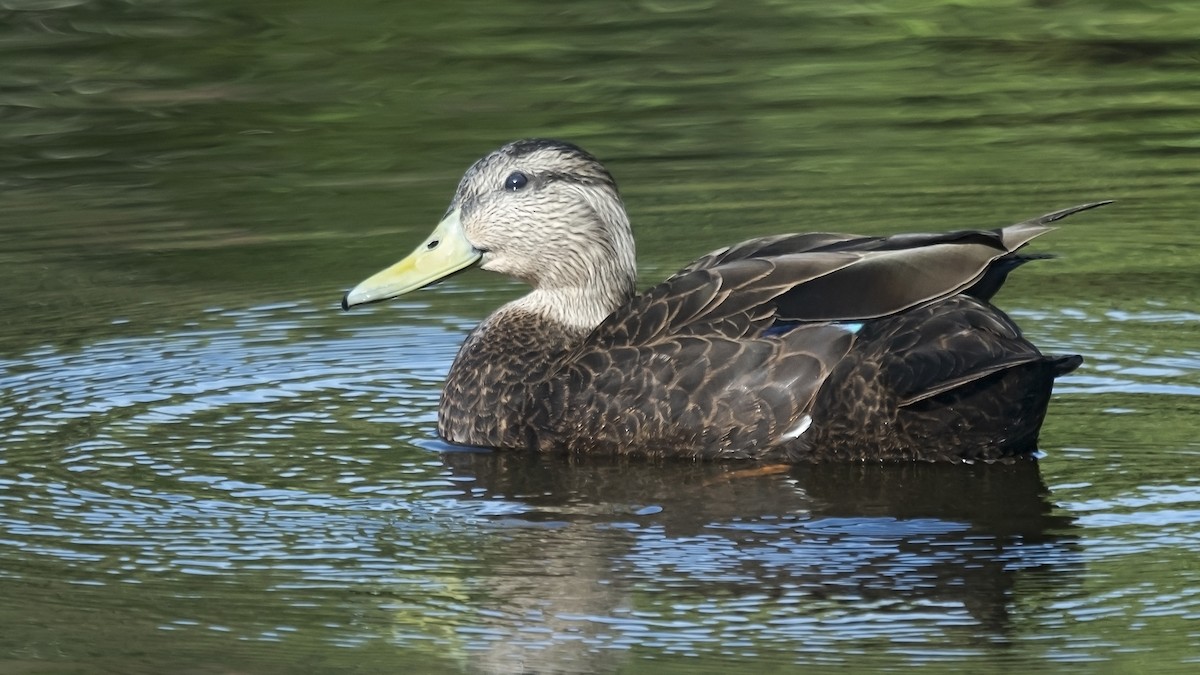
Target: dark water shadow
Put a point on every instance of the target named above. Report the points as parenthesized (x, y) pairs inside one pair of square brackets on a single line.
[(812, 558)]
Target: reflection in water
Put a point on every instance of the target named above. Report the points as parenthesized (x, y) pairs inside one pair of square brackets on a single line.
[(601, 556)]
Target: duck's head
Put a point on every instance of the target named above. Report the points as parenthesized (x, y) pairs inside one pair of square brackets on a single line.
[(542, 211)]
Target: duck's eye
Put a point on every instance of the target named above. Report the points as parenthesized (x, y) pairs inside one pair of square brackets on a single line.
[(515, 181)]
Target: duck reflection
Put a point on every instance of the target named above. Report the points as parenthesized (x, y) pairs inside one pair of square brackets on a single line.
[(598, 559)]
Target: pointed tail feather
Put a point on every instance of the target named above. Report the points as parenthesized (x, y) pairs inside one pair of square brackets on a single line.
[(1065, 363)]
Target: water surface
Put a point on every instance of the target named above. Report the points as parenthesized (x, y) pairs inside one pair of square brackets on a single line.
[(207, 468)]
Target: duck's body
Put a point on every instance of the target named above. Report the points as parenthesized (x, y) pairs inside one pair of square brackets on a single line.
[(787, 348)]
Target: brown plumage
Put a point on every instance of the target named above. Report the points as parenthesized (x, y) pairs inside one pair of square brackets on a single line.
[(800, 347)]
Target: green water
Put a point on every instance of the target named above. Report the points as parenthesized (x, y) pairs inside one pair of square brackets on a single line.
[(207, 468)]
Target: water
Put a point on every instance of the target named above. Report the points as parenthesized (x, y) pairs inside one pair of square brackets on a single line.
[(207, 468)]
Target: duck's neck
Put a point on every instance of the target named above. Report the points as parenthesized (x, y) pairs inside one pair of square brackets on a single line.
[(577, 309), (583, 273)]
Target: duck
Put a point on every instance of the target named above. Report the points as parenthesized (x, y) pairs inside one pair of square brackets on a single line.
[(787, 348)]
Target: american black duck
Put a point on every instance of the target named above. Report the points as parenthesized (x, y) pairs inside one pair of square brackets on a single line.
[(794, 347)]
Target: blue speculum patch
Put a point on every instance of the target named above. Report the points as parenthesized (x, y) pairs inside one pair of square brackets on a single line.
[(782, 327)]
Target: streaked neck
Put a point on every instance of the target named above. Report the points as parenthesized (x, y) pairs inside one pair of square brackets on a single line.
[(579, 309)]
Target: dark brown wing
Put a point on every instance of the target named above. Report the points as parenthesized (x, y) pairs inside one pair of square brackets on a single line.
[(891, 274), (777, 245), (740, 297), (688, 367), (784, 244), (691, 396)]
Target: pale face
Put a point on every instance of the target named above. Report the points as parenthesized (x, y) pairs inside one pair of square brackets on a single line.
[(538, 213), (541, 211)]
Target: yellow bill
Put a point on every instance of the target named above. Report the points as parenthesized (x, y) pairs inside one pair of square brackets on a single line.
[(445, 252)]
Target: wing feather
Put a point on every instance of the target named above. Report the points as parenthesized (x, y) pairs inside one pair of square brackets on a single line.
[(690, 366)]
